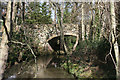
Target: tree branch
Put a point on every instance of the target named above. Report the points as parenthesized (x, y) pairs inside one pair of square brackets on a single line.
[(16, 42), (110, 51)]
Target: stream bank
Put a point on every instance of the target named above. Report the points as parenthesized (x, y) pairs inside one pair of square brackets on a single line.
[(47, 68)]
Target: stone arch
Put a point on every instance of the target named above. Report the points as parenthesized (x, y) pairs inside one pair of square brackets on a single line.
[(66, 34)]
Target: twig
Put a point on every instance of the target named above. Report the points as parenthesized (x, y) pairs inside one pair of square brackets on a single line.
[(117, 36), (17, 42)]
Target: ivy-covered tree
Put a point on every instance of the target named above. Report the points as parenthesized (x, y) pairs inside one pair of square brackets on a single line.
[(67, 12)]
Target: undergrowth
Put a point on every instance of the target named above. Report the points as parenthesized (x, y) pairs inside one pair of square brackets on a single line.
[(88, 61)]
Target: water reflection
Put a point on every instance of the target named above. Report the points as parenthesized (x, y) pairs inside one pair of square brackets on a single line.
[(28, 70)]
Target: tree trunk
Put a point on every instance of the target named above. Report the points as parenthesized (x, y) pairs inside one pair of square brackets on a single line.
[(87, 31), (14, 11), (4, 46), (114, 40), (50, 10), (13, 15), (61, 28), (0, 11), (91, 26), (23, 12), (73, 14), (76, 43), (83, 26), (60, 21), (55, 16)]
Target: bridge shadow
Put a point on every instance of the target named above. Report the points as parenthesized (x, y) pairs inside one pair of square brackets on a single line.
[(70, 40)]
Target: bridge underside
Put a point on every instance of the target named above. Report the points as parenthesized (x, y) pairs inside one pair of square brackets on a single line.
[(55, 42)]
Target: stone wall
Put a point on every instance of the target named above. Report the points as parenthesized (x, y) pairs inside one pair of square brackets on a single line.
[(43, 33)]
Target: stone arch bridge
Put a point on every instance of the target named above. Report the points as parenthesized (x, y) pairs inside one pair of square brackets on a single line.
[(46, 32)]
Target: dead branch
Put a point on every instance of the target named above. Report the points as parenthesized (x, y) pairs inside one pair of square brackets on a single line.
[(16, 42)]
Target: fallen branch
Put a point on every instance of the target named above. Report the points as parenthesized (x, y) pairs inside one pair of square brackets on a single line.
[(16, 42)]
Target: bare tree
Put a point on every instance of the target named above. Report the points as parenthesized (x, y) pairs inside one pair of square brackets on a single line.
[(14, 11), (62, 42), (4, 46), (82, 22), (23, 11), (114, 39)]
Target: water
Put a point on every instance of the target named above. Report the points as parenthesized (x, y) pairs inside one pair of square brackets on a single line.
[(28, 70)]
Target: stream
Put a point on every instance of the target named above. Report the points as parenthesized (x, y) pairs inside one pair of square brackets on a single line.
[(47, 68)]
